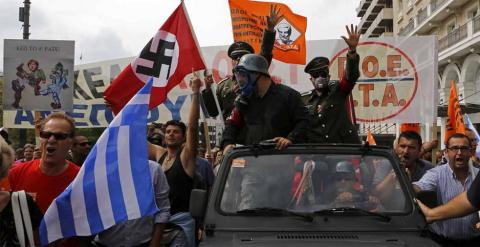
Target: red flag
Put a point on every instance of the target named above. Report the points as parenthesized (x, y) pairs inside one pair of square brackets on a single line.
[(168, 57), (455, 123)]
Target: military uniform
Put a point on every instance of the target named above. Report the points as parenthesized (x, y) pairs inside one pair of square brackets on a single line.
[(225, 93), (328, 112)]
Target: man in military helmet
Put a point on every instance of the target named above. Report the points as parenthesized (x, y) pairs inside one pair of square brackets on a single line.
[(264, 110), (227, 89), (328, 102)]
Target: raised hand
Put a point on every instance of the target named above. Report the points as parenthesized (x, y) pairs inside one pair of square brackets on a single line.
[(353, 37), (273, 18)]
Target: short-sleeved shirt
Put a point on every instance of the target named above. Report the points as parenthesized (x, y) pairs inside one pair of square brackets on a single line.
[(443, 180), (43, 188)]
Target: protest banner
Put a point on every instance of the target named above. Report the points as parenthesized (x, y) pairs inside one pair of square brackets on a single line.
[(38, 74), (397, 82), (249, 21)]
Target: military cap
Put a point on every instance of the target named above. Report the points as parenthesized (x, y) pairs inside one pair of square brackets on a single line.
[(318, 63), (239, 48)]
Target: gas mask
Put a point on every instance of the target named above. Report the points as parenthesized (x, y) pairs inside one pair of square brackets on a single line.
[(246, 80)]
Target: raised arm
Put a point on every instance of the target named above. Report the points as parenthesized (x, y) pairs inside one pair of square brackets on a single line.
[(351, 71), (189, 152), (268, 38)]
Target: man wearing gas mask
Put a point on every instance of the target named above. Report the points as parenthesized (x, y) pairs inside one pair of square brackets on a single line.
[(264, 110), (327, 102)]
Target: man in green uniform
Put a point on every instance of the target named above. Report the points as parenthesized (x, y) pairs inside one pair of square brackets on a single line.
[(328, 102), (227, 89)]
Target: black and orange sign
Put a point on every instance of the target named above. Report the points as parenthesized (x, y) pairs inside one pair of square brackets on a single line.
[(455, 123), (249, 19)]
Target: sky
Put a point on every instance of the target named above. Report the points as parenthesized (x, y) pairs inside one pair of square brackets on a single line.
[(111, 29)]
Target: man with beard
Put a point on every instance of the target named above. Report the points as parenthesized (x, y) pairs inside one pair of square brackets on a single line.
[(407, 150), (448, 181), (328, 102), (45, 178)]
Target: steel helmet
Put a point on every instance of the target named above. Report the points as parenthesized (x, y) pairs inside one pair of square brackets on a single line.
[(253, 63)]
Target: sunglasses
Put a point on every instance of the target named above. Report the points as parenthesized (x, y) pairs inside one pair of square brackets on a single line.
[(322, 73), (58, 136), (83, 144)]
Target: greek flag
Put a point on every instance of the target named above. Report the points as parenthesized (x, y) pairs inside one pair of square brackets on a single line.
[(113, 184), (469, 125)]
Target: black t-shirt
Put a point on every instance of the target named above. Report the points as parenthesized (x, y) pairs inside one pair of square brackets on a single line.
[(473, 193), (8, 234)]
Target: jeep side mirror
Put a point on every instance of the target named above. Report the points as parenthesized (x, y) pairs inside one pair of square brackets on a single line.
[(198, 203)]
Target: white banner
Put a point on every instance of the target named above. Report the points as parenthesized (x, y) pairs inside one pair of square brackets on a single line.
[(38, 75), (397, 82)]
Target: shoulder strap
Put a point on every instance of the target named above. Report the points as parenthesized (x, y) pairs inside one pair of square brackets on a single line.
[(162, 158), (26, 216), (18, 219)]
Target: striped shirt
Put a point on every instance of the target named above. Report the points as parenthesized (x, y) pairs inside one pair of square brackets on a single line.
[(443, 180)]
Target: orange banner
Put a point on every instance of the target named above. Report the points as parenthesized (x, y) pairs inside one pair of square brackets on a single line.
[(249, 19), (410, 127), (370, 139), (455, 123)]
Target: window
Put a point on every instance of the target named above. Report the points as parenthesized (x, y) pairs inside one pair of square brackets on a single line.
[(451, 26), (472, 13)]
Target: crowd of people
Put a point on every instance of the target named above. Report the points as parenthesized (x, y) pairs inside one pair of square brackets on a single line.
[(254, 109)]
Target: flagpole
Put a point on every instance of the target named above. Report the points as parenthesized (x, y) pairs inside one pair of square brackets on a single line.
[(187, 16)]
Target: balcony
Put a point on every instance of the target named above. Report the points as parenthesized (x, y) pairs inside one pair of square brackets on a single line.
[(453, 37), (370, 14), (436, 4), (460, 42), (422, 15), (362, 8), (407, 29), (383, 22), (434, 13)]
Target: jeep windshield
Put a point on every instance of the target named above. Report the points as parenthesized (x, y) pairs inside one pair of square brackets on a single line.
[(313, 184)]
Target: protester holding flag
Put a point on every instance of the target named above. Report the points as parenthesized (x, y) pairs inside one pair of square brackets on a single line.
[(227, 89), (329, 106), (178, 161)]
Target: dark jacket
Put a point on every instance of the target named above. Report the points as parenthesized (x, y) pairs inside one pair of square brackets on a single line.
[(329, 112), (225, 94), (280, 113)]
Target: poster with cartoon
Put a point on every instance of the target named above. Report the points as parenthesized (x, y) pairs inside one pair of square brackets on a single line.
[(38, 75)]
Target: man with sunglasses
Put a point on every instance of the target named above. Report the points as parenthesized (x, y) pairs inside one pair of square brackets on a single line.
[(327, 103), (448, 181), (228, 89), (45, 178), (80, 149)]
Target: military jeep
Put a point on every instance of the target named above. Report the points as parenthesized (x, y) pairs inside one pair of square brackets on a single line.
[(310, 195)]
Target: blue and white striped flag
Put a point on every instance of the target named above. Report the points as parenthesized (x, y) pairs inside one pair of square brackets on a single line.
[(469, 125), (113, 184)]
